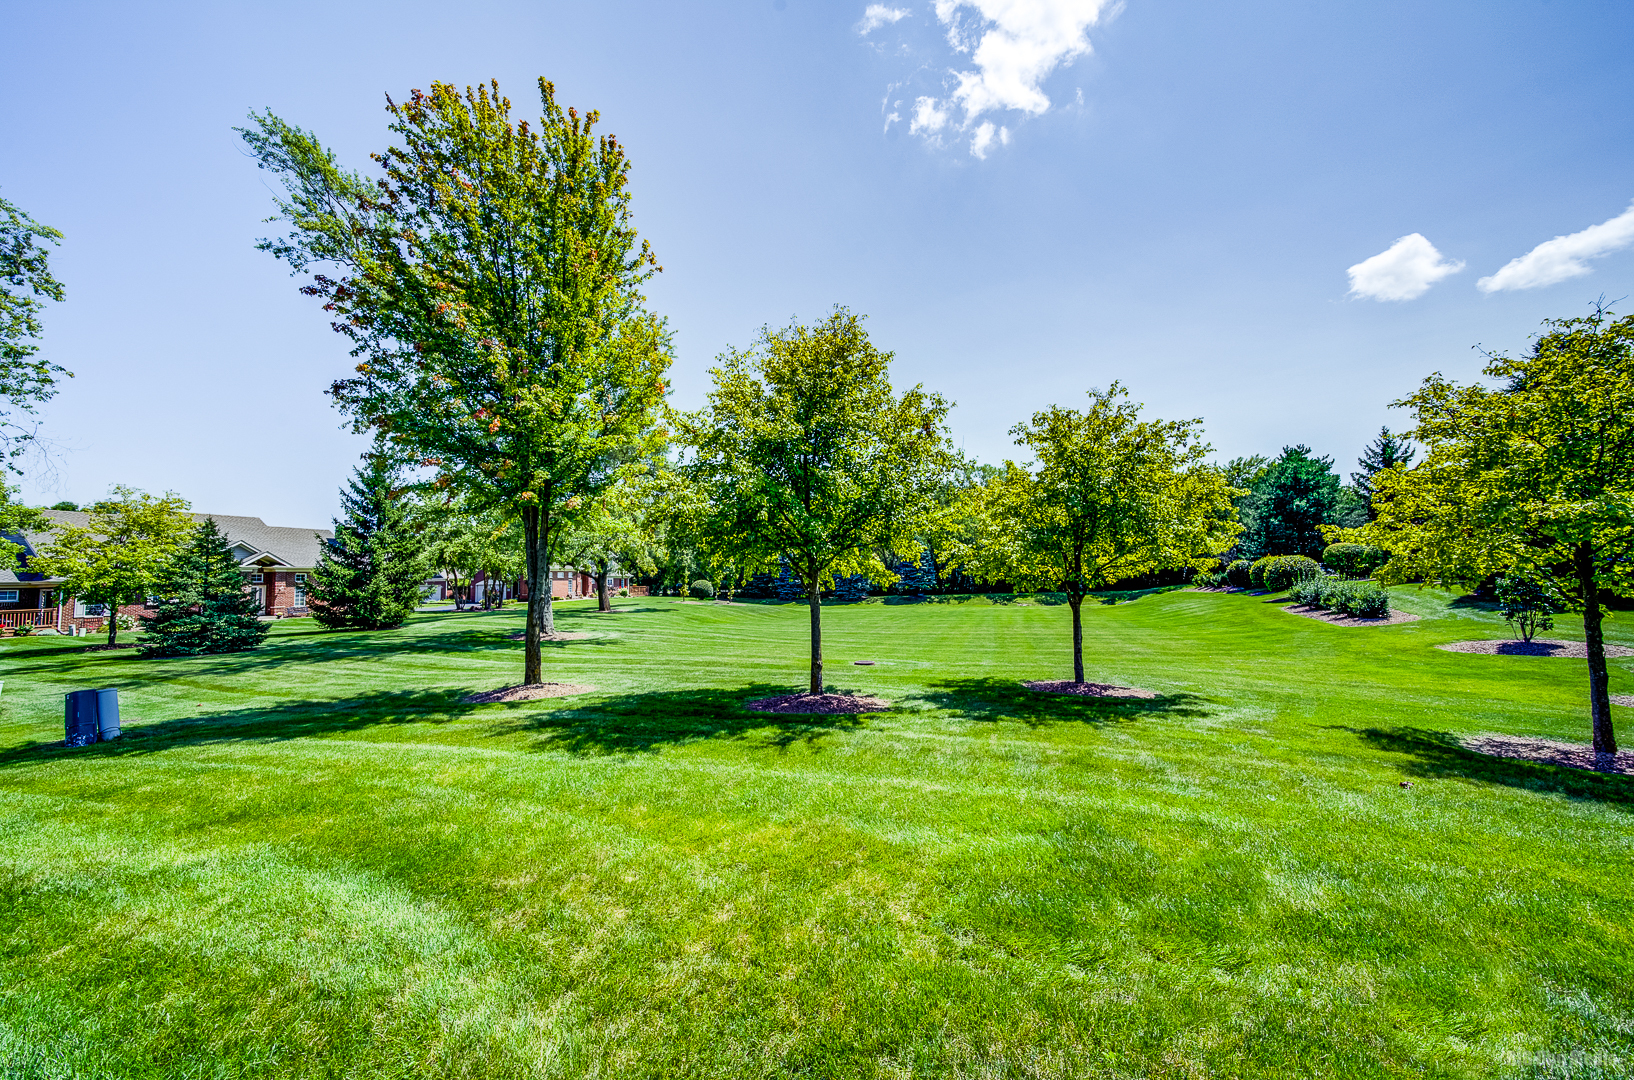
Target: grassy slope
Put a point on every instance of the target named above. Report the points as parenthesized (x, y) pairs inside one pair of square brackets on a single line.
[(312, 861)]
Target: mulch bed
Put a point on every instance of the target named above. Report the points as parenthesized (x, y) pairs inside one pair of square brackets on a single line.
[(1575, 650), (560, 635), (1338, 619), (832, 704), (1549, 752), (1087, 689), (1625, 700), (105, 648), (526, 692)]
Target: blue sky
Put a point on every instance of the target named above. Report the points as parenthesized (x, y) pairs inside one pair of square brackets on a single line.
[(1183, 189)]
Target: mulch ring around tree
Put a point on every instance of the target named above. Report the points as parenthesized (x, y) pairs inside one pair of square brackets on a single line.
[(1625, 700), (526, 692), (1549, 752), (105, 647), (831, 704), (1087, 689), (1575, 650), (1337, 619), (560, 635)]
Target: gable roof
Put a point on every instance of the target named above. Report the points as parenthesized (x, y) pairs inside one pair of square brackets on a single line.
[(259, 544)]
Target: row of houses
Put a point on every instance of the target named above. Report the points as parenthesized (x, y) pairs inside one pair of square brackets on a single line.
[(277, 563)]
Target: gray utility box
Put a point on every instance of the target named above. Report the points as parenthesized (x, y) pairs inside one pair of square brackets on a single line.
[(90, 715)]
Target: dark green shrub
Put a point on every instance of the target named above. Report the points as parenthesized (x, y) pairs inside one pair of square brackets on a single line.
[(1237, 573), (1209, 579), (1528, 604), (701, 590), (1278, 572), (1256, 572), (1363, 599), (1358, 560)]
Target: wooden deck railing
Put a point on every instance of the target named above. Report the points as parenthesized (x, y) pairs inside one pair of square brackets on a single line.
[(11, 620)]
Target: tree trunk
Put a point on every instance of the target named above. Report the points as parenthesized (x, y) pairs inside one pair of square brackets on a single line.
[(815, 600), (541, 619), (1605, 739), (113, 635), (605, 602), (1077, 602)]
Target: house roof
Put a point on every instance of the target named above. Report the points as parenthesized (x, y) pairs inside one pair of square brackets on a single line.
[(256, 542)]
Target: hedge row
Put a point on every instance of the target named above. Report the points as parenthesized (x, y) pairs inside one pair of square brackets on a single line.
[(1363, 599), (1277, 572)]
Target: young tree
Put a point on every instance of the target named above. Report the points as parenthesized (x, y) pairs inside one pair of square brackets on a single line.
[(204, 604), (490, 282), (617, 531), (804, 451), (25, 277), (116, 558), (16, 519), (1534, 477), (471, 542), (372, 575), (1528, 604), (1109, 496), (1387, 451)]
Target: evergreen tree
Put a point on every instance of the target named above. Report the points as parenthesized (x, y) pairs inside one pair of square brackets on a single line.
[(1290, 498), (204, 606), (1385, 452), (372, 575)]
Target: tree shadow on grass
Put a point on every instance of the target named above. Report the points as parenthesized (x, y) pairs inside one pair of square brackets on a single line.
[(1439, 755), (1006, 699), (275, 722), (645, 722)]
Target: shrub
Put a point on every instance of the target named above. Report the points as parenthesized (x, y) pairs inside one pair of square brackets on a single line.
[(1528, 604), (1209, 579), (701, 590), (1358, 560), (624, 592), (1277, 572), (23, 631), (1363, 599), (1237, 573)]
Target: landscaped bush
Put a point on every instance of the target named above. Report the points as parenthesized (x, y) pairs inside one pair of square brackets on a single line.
[(701, 590), (1237, 573), (1358, 560), (1363, 599), (1277, 572), (1209, 579), (1529, 605)]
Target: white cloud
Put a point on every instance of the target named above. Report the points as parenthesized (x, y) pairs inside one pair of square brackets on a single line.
[(928, 116), (1405, 271), (1563, 257), (878, 15), (1015, 45)]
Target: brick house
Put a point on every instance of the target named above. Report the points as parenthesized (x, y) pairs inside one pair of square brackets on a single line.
[(566, 583), (276, 562)]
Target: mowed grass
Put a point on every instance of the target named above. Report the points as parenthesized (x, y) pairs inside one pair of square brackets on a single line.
[(313, 861)]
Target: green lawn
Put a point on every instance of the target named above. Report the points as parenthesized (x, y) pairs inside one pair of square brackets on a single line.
[(312, 861)]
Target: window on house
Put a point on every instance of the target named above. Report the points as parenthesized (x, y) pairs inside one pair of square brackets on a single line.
[(257, 578), (300, 579), (300, 593), (8, 596)]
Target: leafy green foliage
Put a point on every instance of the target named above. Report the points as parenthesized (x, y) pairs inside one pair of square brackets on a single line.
[(1111, 497), (806, 453), (621, 528), (490, 283), (702, 589), (128, 541), (25, 284), (1528, 603), (1358, 560), (204, 606), (1363, 599), (1275, 573), (1288, 501), (1386, 451), (469, 541), (371, 576), (1237, 574), (1534, 478)]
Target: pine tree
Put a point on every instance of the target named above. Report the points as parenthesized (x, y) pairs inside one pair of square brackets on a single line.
[(372, 575), (204, 606), (1385, 452)]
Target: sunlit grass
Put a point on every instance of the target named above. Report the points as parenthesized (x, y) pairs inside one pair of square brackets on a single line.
[(313, 860)]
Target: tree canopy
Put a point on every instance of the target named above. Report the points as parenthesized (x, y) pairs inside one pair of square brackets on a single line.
[(117, 557), (371, 576), (25, 284), (805, 452), (1288, 500), (1532, 477), (489, 281), (1108, 496), (1386, 451)]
